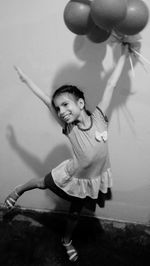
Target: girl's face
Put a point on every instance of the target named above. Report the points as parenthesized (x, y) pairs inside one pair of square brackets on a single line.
[(68, 108)]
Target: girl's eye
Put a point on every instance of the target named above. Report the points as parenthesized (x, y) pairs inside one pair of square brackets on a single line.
[(65, 104)]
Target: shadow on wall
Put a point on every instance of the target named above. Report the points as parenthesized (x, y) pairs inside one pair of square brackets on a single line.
[(87, 74), (40, 168)]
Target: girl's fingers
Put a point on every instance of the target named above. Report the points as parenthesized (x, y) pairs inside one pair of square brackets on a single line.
[(125, 48), (16, 68), (20, 73)]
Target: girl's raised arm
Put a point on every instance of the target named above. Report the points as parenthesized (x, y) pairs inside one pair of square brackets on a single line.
[(33, 87), (112, 82)]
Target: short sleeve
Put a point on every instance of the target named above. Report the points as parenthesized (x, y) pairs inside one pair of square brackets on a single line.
[(104, 117)]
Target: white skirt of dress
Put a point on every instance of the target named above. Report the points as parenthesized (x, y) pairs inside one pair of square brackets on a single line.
[(81, 188)]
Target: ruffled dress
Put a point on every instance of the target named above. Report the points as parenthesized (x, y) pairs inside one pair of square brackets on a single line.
[(88, 173)]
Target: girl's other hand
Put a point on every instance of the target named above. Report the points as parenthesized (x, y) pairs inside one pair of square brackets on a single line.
[(125, 48)]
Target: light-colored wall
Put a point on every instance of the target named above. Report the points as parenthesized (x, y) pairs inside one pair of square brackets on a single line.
[(33, 36)]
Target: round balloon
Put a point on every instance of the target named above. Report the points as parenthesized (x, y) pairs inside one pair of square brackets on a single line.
[(82, 1), (77, 17), (136, 18), (98, 35), (108, 13)]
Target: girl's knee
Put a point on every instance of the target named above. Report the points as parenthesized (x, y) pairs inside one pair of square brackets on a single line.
[(74, 215), (76, 207), (41, 183)]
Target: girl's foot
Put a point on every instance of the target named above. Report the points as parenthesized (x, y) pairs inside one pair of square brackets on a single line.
[(70, 250), (11, 199)]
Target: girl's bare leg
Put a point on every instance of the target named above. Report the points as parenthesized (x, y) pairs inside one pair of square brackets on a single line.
[(71, 224)]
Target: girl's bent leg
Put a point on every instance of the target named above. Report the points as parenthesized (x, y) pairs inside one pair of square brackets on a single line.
[(31, 184), (19, 190)]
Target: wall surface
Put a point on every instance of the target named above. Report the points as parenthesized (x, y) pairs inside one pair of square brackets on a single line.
[(34, 37)]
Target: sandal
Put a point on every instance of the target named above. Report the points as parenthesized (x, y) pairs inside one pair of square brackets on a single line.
[(11, 199), (71, 251)]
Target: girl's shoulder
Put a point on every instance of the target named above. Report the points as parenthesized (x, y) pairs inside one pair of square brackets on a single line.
[(98, 114)]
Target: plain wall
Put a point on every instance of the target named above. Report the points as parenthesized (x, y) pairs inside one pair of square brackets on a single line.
[(34, 36)]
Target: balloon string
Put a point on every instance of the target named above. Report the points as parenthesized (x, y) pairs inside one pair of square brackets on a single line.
[(146, 60), (142, 63), (132, 68)]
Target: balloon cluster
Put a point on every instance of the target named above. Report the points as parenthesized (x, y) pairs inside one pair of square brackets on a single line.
[(98, 18)]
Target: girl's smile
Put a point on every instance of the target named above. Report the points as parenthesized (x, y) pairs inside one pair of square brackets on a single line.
[(67, 117)]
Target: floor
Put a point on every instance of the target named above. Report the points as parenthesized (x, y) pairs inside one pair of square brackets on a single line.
[(33, 238)]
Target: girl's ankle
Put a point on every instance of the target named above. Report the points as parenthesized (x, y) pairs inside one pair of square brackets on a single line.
[(18, 191), (66, 240)]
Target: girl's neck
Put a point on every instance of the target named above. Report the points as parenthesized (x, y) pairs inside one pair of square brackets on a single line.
[(84, 121)]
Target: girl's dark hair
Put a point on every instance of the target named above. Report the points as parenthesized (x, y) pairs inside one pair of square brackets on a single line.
[(73, 90)]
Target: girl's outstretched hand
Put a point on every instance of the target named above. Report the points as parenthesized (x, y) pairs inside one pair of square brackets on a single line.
[(21, 74), (33, 87)]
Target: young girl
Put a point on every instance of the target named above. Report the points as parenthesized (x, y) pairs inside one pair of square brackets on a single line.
[(86, 177)]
